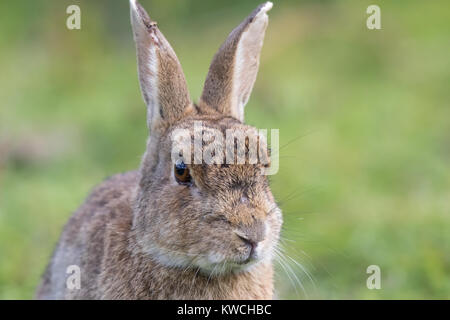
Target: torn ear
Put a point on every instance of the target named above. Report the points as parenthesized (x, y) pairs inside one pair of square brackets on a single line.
[(234, 67), (161, 77)]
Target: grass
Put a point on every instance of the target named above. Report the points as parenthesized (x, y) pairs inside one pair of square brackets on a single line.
[(364, 119)]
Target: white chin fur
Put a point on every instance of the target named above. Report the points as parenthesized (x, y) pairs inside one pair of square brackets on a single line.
[(214, 264)]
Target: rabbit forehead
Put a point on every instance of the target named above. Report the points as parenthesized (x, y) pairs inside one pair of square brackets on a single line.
[(241, 177)]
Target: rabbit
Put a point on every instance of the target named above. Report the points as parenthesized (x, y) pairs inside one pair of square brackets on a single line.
[(177, 230)]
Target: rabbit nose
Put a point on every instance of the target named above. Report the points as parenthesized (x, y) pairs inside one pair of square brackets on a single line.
[(253, 234), (251, 243)]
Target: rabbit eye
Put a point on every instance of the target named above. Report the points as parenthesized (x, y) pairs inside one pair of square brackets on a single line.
[(181, 173)]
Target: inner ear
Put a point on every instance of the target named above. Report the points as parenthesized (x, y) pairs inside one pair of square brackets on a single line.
[(233, 70)]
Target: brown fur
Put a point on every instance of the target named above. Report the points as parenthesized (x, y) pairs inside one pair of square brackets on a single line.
[(141, 235)]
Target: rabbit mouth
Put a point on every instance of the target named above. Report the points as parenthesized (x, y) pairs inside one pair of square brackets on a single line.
[(214, 263), (229, 265)]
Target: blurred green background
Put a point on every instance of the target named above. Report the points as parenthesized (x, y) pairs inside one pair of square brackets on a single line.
[(364, 121)]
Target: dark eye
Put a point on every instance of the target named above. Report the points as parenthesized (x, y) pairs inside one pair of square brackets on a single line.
[(181, 173)]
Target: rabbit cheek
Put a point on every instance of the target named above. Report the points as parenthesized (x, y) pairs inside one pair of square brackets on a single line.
[(274, 223)]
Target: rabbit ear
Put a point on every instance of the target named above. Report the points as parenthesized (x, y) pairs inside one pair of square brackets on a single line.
[(234, 67), (161, 77)]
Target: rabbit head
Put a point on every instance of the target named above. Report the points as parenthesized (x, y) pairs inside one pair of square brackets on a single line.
[(216, 217)]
